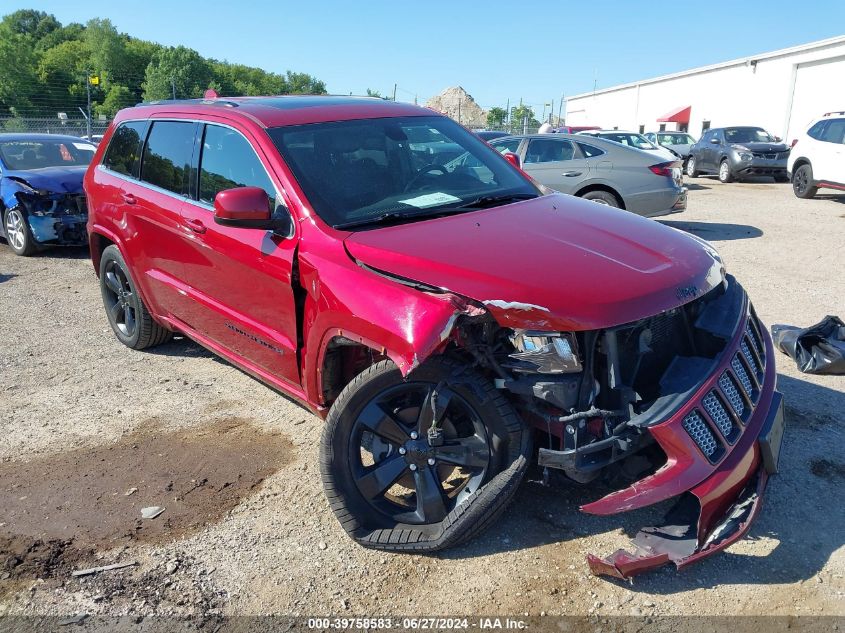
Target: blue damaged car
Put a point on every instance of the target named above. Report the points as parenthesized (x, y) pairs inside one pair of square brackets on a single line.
[(41, 197)]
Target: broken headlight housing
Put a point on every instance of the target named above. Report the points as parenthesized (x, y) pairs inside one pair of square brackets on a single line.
[(545, 352)]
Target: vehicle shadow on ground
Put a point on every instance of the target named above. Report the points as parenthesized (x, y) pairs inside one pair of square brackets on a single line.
[(185, 347), (692, 186), (802, 529), (64, 252), (716, 231), (6, 277), (831, 196)]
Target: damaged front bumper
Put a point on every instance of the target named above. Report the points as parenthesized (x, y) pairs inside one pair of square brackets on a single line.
[(717, 498), (56, 218)]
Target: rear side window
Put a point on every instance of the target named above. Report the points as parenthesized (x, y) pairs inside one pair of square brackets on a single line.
[(834, 132), (167, 155), (590, 151), (228, 161), (510, 145), (124, 152)]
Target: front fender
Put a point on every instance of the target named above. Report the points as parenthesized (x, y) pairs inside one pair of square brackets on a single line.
[(403, 323)]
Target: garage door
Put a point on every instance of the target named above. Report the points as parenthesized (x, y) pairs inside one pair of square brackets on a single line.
[(818, 89)]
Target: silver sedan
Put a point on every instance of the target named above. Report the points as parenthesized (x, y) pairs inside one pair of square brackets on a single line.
[(600, 170)]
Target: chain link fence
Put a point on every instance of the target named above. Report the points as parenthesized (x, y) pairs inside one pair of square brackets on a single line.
[(71, 127)]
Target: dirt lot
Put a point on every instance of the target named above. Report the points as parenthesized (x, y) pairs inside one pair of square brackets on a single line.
[(246, 529)]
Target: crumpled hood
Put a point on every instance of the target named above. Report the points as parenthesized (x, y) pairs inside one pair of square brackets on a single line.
[(554, 262), (53, 179)]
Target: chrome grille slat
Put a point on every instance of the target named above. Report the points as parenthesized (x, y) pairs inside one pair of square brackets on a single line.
[(750, 358), (701, 434), (731, 393), (717, 412), (744, 379), (755, 339)]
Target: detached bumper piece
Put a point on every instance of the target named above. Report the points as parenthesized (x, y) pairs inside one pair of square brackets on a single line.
[(711, 516)]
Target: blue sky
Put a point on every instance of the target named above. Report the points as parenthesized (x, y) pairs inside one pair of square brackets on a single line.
[(535, 51)]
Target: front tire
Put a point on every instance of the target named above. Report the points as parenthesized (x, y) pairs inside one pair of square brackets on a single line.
[(690, 168), (725, 174), (18, 235), (129, 318), (603, 197), (392, 488), (802, 182)]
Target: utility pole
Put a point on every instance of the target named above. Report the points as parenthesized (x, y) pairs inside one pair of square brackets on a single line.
[(88, 93), (551, 111), (560, 108), (508, 114), (394, 92), (173, 86)]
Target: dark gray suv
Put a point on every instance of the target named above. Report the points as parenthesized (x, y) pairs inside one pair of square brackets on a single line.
[(738, 152)]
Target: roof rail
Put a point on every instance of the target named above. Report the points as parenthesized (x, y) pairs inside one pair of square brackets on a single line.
[(219, 102), (829, 113)]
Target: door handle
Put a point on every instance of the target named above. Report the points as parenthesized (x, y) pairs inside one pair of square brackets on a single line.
[(570, 174), (128, 198), (195, 225)]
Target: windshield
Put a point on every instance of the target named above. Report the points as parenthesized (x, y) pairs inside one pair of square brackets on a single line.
[(631, 140), (747, 135), (676, 139), (36, 154), (404, 167)]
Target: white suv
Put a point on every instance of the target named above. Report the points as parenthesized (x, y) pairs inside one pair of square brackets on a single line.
[(817, 158)]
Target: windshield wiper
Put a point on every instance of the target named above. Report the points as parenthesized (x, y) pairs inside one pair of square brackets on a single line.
[(392, 217), (491, 201)]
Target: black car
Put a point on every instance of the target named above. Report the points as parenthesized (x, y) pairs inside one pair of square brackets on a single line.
[(738, 152)]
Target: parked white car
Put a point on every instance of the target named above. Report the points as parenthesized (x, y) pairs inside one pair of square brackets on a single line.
[(632, 139), (817, 158)]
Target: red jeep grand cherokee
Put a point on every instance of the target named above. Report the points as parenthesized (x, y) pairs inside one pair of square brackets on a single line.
[(442, 318)]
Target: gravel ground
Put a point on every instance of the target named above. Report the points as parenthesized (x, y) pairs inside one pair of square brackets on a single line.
[(246, 529)]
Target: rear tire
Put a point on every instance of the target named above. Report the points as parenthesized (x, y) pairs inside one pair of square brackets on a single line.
[(603, 197), (690, 168), (389, 487), (18, 235), (129, 318), (725, 174), (802, 182)]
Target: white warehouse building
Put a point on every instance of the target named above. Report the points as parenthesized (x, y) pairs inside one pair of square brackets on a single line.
[(779, 91)]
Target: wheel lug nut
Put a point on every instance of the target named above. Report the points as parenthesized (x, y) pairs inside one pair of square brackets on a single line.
[(413, 466), (414, 435), (431, 461), (402, 450)]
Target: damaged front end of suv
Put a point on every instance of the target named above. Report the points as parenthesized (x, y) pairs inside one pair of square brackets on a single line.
[(681, 404), (642, 364)]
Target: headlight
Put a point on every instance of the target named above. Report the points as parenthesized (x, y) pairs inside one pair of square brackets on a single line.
[(546, 352), (745, 155)]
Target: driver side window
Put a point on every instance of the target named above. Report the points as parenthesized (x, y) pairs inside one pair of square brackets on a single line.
[(228, 161)]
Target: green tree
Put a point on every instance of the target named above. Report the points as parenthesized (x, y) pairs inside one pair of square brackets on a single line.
[(177, 69), (62, 72), (374, 93), (19, 85), (519, 113), (302, 83), (117, 98), (496, 117), (32, 23)]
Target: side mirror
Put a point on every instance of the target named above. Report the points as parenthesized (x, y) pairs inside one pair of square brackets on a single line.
[(778, 139), (715, 141), (512, 158), (249, 208)]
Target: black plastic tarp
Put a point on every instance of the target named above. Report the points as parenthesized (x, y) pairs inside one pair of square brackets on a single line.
[(818, 349)]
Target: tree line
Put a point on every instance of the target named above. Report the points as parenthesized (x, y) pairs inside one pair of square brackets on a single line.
[(45, 66)]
